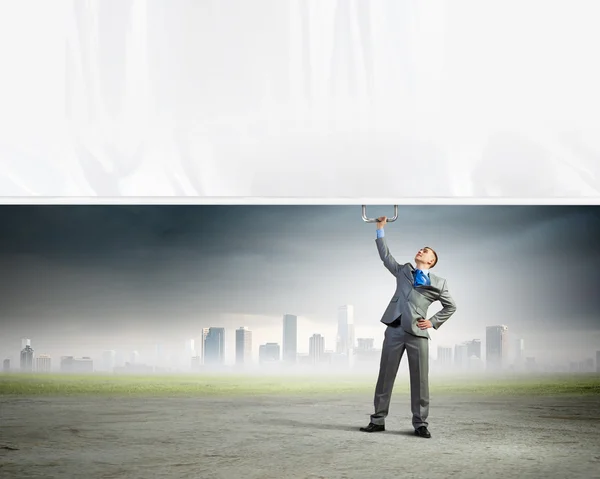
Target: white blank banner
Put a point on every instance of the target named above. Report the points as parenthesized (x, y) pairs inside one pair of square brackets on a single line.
[(303, 98)]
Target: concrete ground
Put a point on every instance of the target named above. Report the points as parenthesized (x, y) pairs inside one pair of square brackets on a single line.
[(297, 437)]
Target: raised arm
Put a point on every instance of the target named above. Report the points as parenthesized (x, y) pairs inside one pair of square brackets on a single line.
[(449, 308), (384, 253)]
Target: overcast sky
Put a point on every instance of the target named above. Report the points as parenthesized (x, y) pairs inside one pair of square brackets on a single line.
[(81, 279)]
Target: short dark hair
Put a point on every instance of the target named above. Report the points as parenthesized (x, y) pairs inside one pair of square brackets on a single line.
[(434, 254)]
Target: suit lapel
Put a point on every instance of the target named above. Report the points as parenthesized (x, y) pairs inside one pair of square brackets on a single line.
[(408, 272)]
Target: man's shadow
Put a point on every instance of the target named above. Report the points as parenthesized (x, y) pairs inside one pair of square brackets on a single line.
[(404, 433), (338, 427)]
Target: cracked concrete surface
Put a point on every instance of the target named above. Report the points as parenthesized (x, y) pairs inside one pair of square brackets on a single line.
[(297, 437)]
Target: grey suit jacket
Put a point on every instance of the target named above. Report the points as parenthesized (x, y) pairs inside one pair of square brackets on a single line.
[(410, 303)]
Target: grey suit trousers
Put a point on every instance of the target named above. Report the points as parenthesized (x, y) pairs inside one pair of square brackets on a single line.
[(396, 341)]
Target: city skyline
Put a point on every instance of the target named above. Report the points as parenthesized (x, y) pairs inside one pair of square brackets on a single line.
[(467, 356), (497, 352), (497, 355), (83, 278)]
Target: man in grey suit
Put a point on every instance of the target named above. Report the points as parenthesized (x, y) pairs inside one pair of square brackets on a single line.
[(416, 289)]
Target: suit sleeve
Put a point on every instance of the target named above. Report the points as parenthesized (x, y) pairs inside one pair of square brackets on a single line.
[(448, 309), (388, 260)]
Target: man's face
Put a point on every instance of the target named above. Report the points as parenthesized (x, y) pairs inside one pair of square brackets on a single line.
[(425, 256)]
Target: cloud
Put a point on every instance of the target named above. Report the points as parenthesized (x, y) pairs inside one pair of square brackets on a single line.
[(152, 272)]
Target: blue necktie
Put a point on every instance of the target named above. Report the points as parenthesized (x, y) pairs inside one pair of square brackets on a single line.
[(421, 279)]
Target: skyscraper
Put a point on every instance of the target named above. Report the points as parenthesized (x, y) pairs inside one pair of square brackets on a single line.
[(134, 357), (243, 346), (214, 346), (27, 358), (6, 365), (190, 349), (496, 346), (269, 352), (42, 363), (70, 364), (316, 348), (345, 335), (203, 344), (474, 348), (598, 362), (444, 356), (109, 360), (365, 344), (461, 358), (290, 338)]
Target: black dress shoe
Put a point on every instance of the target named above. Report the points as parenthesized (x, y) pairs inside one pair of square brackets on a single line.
[(373, 428), (422, 432)]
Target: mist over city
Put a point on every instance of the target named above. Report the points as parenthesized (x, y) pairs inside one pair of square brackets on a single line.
[(184, 288)]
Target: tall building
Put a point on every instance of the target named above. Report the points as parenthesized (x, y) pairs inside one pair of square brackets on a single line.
[(345, 335), (474, 348), (290, 338), (327, 355), (598, 362), (203, 344), (27, 358), (25, 342), (120, 359), (109, 360), (134, 357), (496, 346), (473, 360), (6, 365), (461, 357), (190, 349), (214, 346), (43, 363), (269, 352), (243, 346), (365, 344), (69, 364), (444, 356), (316, 348)]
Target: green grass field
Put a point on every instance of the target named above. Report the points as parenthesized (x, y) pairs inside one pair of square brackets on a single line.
[(230, 385)]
